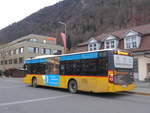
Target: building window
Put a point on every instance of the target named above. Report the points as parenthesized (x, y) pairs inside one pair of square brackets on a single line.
[(17, 51), (44, 41), (33, 50), (36, 50), (6, 62), (128, 43), (33, 40), (111, 44), (14, 51), (10, 61), (47, 51), (135, 65), (107, 44), (9, 53), (15, 61), (148, 68), (21, 50), (93, 46), (132, 40), (43, 51), (4, 54), (2, 62), (20, 60)]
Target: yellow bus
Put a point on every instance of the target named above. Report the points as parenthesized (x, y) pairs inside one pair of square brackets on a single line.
[(95, 71)]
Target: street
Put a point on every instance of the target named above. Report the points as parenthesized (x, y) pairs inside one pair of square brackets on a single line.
[(16, 97)]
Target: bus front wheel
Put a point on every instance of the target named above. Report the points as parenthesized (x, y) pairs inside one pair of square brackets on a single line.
[(72, 86), (34, 82)]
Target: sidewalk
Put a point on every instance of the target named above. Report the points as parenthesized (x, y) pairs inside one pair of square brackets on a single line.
[(143, 88)]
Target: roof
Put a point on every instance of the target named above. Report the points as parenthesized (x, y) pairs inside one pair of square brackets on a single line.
[(28, 37), (86, 42), (143, 29)]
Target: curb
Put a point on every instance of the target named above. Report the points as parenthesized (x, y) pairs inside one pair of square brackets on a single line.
[(139, 93)]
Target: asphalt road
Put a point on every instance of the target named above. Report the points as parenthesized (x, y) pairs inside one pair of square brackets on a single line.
[(16, 97)]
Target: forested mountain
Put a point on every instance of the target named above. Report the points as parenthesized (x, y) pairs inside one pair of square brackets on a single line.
[(84, 18)]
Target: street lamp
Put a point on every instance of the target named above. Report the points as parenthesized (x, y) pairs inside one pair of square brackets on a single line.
[(60, 22)]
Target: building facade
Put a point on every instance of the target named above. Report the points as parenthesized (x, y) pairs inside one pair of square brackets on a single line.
[(12, 54), (136, 39)]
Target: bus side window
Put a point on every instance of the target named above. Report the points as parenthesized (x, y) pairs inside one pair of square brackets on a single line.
[(89, 67), (103, 64), (37, 68), (67, 68), (62, 69), (26, 68), (48, 68), (77, 67), (55, 68), (40, 68), (70, 67)]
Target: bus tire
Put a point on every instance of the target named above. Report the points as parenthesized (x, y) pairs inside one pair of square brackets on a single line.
[(72, 86), (34, 82)]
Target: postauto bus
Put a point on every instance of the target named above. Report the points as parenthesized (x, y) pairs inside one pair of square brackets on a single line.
[(95, 71)]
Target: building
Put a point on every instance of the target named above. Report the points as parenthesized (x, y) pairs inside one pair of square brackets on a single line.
[(12, 54), (136, 39)]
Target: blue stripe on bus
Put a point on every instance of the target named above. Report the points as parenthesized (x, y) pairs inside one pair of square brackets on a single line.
[(79, 56), (42, 60), (65, 58)]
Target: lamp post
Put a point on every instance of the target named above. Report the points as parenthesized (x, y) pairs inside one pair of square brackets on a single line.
[(60, 22)]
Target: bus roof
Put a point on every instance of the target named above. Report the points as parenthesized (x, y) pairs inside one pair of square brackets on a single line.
[(49, 56), (71, 56), (45, 56)]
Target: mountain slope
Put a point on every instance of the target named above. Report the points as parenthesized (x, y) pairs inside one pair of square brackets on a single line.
[(84, 18)]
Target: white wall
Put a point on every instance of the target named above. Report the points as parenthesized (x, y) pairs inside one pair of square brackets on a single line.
[(142, 66)]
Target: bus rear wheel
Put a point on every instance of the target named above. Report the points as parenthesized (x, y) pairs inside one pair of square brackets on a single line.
[(72, 86), (34, 82)]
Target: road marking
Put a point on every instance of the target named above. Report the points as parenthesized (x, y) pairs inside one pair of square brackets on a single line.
[(11, 87), (33, 100), (12, 81)]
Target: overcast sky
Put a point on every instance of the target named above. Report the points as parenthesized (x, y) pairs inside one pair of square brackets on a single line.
[(14, 10)]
